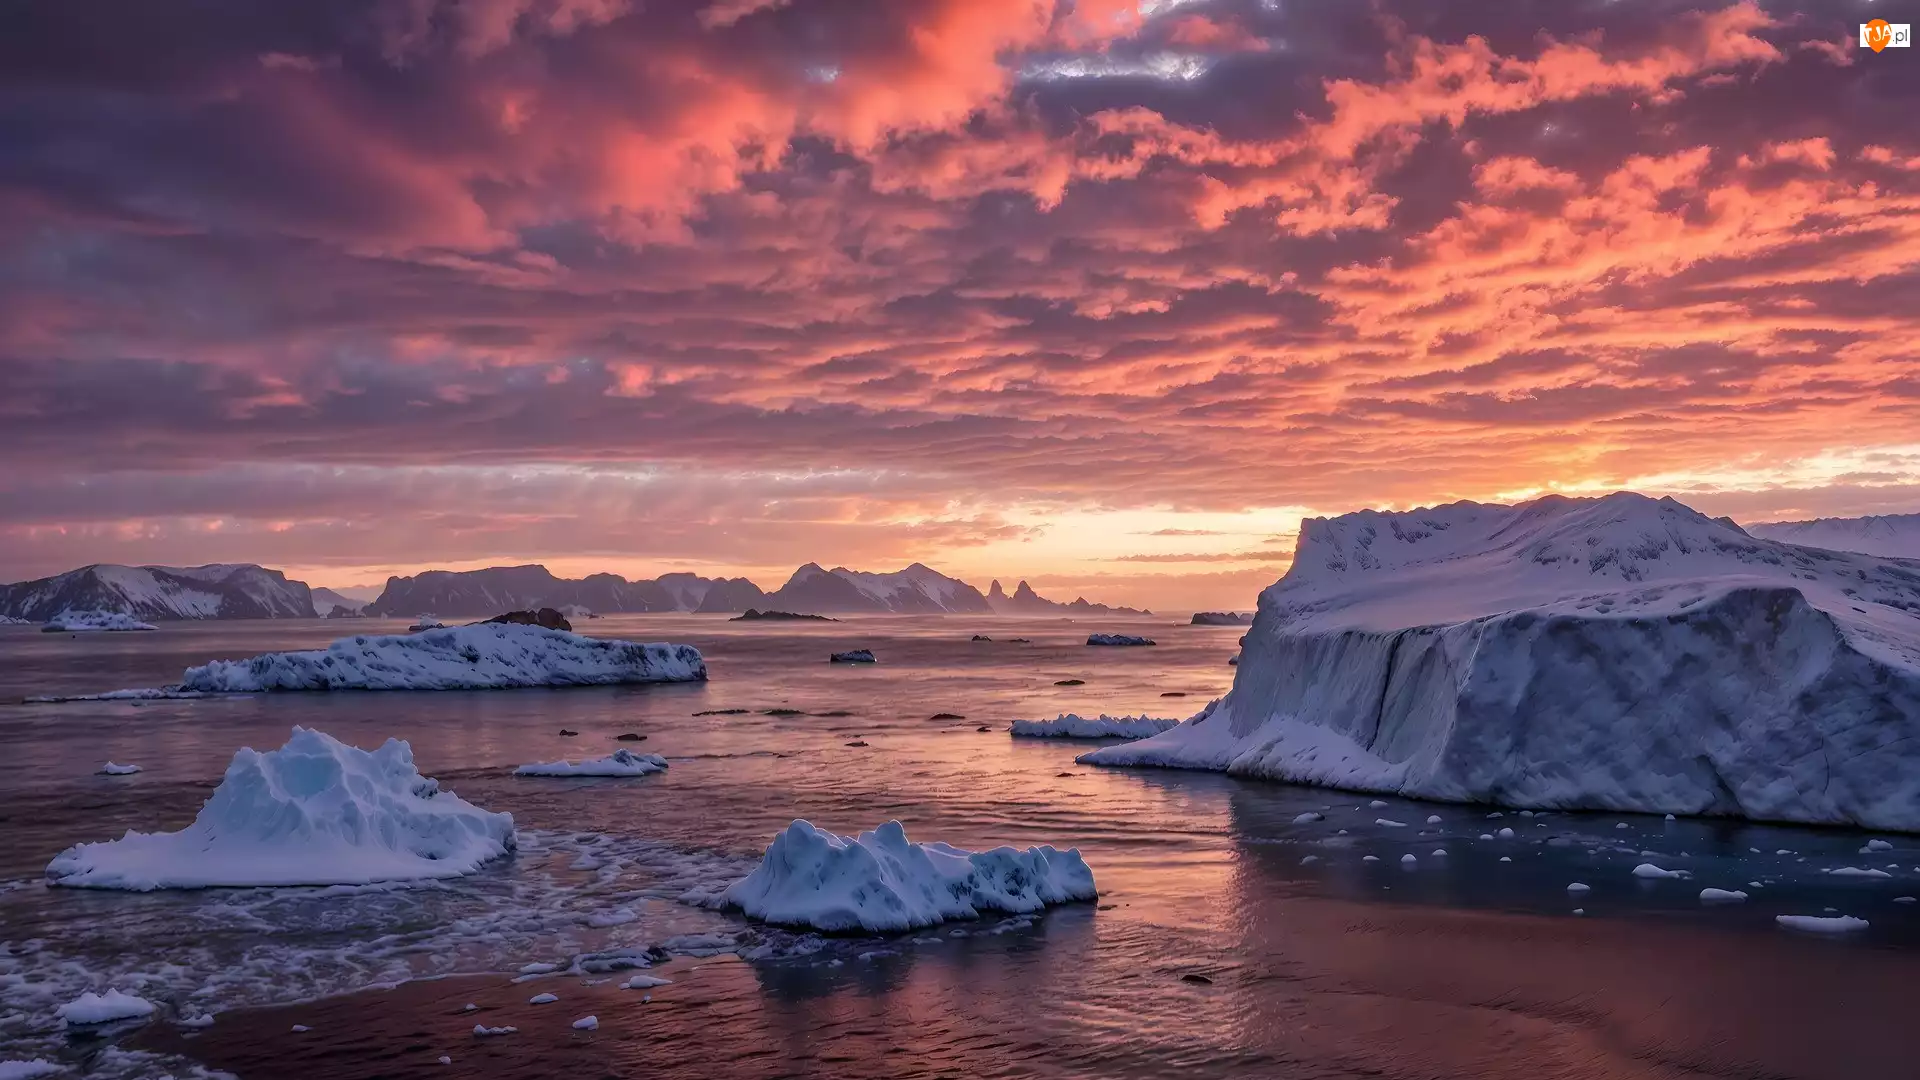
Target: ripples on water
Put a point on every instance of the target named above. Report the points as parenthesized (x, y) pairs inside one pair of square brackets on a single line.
[(1458, 965)]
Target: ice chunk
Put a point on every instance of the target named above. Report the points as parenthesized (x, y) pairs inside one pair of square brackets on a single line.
[(1117, 639), (1506, 834), (481, 657), (1854, 871), (1075, 726), (1722, 896), (1821, 924), (543, 999), (1876, 845), (644, 982), (314, 812), (1450, 653), (881, 881), (92, 1008), (621, 762), (481, 1031), (1377, 804), (110, 769), (1409, 860), (586, 1023), (93, 622), (1433, 819), (1389, 823), (1308, 817), (1579, 887), (1648, 870)]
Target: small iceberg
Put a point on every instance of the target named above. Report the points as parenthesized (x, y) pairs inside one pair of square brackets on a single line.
[(91, 1008), (426, 622), (880, 881), (94, 622), (314, 812), (619, 763), (110, 769), (1075, 726), (853, 656), (1821, 924), (1118, 639), (486, 656)]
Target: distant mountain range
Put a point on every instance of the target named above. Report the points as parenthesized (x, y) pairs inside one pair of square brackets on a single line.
[(1887, 535), (1025, 601), (219, 591)]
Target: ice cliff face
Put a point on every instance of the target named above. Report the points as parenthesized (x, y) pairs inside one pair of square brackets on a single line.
[(1619, 653)]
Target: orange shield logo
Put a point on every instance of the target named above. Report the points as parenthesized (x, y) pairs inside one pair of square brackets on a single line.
[(1877, 34)]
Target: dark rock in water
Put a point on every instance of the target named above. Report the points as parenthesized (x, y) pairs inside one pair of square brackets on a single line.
[(753, 615), (983, 727), (565, 732), (852, 656), (1243, 641), (723, 712), (1174, 693), (835, 712), (1196, 979), (858, 742), (1019, 641), (1233, 661), (629, 737), (1063, 774), (946, 716), (1222, 618), (783, 712), (1118, 639), (546, 616), (981, 637), (1071, 682)]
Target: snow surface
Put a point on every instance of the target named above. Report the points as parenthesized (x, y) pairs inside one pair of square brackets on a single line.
[(619, 763), (110, 769), (92, 1008), (314, 812), (1117, 639), (1890, 535), (481, 657), (1075, 726), (92, 622), (1821, 924), (1621, 653), (881, 881)]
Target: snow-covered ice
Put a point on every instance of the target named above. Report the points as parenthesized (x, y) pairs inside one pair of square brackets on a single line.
[(881, 881), (1118, 639), (90, 622), (92, 1008), (481, 1031), (1876, 845), (586, 1023), (1075, 726), (1620, 653), (543, 999), (1722, 896), (480, 657), (314, 812), (619, 763), (644, 982), (1821, 924), (1309, 816), (1648, 870), (1855, 871), (1578, 887), (111, 769)]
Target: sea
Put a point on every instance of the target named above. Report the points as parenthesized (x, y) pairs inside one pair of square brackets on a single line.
[(1231, 938)]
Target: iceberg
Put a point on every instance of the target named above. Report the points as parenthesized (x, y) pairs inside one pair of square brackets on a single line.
[(93, 622), (111, 769), (92, 1008), (620, 763), (1075, 726), (1621, 653), (880, 881), (314, 812), (1118, 639), (485, 656), (425, 622)]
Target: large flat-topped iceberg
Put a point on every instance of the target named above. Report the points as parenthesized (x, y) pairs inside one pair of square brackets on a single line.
[(881, 881), (314, 812), (1619, 653), (485, 656)]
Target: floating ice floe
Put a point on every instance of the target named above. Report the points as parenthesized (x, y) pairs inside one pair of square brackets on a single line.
[(543, 999), (1075, 726), (619, 763), (644, 982), (1855, 871), (881, 881), (1449, 653), (314, 812), (1648, 870), (482, 1031), (1118, 639), (1309, 816), (481, 657), (110, 769), (1821, 924), (586, 1023), (91, 1008), (92, 622), (1722, 896)]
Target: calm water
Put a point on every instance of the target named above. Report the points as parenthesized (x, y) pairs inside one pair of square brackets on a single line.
[(1461, 965)]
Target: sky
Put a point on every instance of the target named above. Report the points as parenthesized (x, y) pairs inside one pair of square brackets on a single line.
[(1103, 294)]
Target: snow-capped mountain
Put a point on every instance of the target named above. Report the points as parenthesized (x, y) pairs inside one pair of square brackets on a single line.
[(465, 594), (917, 589), (216, 591), (1621, 653), (1025, 601), (1892, 535)]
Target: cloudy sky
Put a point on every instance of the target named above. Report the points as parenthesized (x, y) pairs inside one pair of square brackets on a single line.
[(1102, 293)]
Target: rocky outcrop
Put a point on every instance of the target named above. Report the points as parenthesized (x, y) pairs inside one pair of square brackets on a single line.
[(546, 617)]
